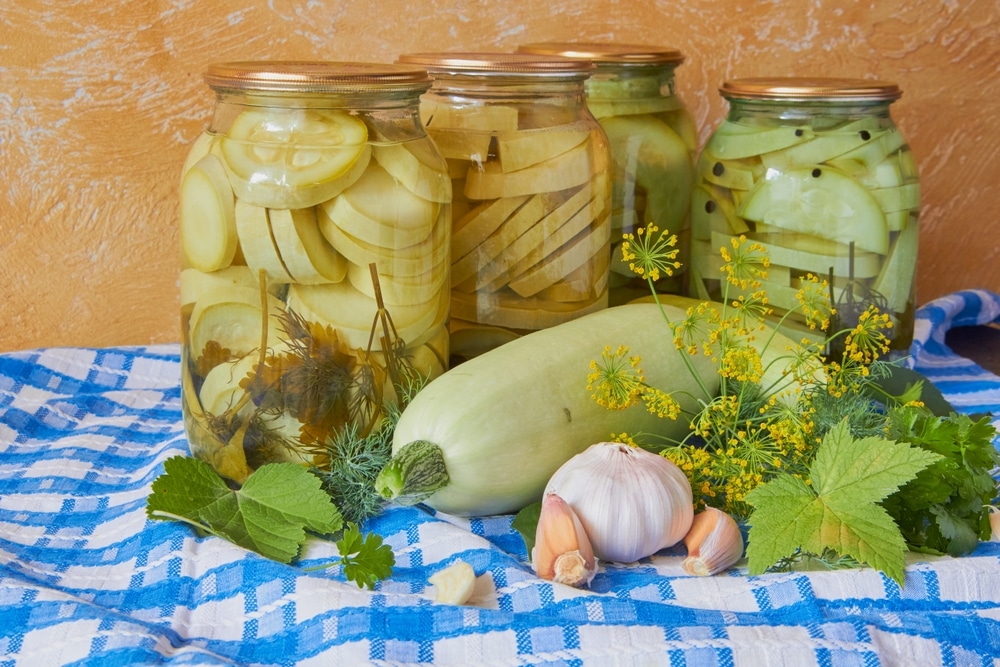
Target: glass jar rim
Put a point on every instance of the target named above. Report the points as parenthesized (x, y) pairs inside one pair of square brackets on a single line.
[(502, 64), (315, 77), (810, 89), (607, 52)]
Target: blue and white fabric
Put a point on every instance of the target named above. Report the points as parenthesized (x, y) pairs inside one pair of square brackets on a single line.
[(86, 579)]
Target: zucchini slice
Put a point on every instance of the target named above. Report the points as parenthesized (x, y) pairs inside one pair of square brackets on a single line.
[(207, 216), (294, 158), (820, 201)]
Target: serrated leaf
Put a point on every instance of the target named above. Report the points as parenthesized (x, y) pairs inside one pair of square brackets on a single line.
[(187, 486), (840, 510), (269, 514), (365, 558), (866, 533), (848, 471), (784, 517)]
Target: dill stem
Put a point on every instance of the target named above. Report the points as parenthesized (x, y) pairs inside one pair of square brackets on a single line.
[(684, 356)]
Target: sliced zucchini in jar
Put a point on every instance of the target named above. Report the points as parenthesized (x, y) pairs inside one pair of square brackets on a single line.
[(307, 255), (232, 317), (822, 202), (712, 211), (207, 216), (378, 211), (421, 171), (260, 249), (294, 158), (525, 148), (733, 141), (649, 151)]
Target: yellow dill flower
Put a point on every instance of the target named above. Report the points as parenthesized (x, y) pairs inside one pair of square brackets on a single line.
[(699, 327), (751, 309), (866, 342), (741, 363), (716, 417), (814, 302), (626, 248), (616, 380), (660, 403), (746, 265), (806, 360), (649, 254), (759, 451)]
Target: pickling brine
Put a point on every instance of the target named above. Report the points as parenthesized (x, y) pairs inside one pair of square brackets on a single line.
[(315, 229), (653, 141), (817, 172), (532, 188)]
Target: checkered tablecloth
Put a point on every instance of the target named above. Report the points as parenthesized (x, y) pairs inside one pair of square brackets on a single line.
[(86, 579)]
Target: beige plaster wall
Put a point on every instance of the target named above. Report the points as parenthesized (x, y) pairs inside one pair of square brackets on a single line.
[(100, 98)]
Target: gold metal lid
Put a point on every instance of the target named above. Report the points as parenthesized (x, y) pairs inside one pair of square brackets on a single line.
[(289, 76), (607, 52), (810, 89), (509, 64)]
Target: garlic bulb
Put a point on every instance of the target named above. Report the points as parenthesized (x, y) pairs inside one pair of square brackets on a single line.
[(714, 543), (631, 502), (562, 550)]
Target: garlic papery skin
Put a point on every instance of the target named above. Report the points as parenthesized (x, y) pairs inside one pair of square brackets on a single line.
[(714, 543), (632, 503), (562, 551)]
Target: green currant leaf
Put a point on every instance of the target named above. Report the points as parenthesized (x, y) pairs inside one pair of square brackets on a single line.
[(784, 518), (187, 486), (839, 509), (848, 472), (269, 514)]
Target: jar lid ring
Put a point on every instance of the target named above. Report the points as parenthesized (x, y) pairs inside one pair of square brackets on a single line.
[(499, 64), (607, 52), (300, 76), (810, 89)]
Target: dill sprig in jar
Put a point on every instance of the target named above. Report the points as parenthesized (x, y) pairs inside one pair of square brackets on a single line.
[(817, 173), (654, 142), (532, 191), (314, 229)]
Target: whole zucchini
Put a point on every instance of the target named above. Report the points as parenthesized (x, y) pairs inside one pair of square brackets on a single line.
[(484, 437)]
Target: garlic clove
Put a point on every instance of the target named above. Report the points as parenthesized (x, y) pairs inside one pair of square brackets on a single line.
[(454, 584), (562, 550), (714, 543)]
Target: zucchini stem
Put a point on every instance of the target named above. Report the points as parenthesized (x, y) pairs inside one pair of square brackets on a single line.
[(413, 474)]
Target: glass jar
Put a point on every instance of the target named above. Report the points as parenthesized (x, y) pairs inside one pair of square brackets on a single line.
[(816, 171), (529, 169), (654, 142), (314, 229)]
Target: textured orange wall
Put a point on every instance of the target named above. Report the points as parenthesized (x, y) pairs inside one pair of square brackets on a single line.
[(99, 99)]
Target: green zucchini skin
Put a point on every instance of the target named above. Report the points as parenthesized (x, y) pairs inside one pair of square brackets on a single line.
[(507, 419)]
